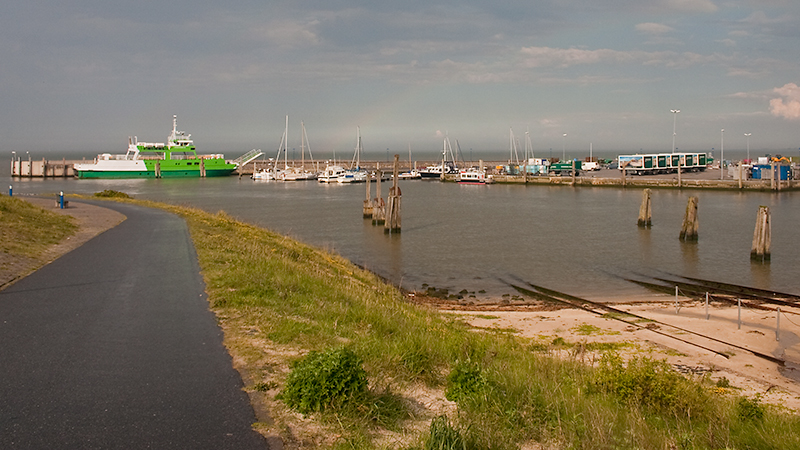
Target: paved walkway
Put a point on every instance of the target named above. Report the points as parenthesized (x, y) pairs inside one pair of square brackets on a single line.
[(113, 346)]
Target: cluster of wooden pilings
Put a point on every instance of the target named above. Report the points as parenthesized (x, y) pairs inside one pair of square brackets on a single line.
[(762, 235), (384, 213)]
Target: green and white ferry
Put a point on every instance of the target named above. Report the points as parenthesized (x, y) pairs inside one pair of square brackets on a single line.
[(177, 158)]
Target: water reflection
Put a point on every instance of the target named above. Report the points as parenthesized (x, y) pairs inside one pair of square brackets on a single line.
[(761, 273)]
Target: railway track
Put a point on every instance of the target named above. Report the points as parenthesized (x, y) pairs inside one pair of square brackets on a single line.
[(541, 293), (697, 289)]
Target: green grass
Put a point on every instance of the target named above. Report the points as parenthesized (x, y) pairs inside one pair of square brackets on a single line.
[(27, 230), (270, 291)]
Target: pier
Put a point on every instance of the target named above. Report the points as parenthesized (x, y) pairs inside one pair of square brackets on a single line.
[(43, 168), (708, 179)]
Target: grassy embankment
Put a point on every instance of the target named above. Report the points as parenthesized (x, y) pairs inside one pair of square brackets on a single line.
[(26, 233), (278, 299)]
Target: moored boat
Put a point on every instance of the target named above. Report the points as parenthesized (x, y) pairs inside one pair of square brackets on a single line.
[(176, 158), (331, 174), (413, 174), (472, 176)]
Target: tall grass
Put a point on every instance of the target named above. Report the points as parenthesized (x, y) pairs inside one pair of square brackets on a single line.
[(27, 230), (306, 299)]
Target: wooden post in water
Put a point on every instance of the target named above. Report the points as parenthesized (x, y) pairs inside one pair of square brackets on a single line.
[(644, 210), (378, 205), (393, 205), (202, 168), (679, 172), (367, 211), (741, 170), (690, 225), (574, 172), (524, 171), (158, 169), (762, 236)]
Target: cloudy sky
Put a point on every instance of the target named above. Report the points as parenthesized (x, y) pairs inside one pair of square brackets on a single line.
[(83, 75)]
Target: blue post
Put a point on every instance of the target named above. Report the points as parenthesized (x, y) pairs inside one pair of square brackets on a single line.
[(61, 199), (10, 190)]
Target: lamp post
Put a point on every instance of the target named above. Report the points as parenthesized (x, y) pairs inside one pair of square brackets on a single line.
[(748, 145), (674, 123), (722, 153), (564, 148)]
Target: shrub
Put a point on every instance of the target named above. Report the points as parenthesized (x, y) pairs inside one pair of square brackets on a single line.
[(750, 409), (464, 380), (325, 379), (110, 193), (649, 383)]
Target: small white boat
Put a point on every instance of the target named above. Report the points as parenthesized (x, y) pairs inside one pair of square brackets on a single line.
[(296, 174), (472, 176), (353, 176), (411, 175), (263, 174), (331, 174)]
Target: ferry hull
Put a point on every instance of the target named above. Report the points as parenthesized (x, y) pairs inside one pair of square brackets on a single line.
[(149, 169), (94, 174)]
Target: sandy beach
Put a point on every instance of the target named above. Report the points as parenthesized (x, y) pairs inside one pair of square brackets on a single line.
[(748, 357)]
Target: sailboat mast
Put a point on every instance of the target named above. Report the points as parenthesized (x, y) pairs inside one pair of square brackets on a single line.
[(510, 145), (302, 145), (286, 144)]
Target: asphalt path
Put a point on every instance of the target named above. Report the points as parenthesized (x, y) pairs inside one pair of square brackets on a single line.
[(113, 346)]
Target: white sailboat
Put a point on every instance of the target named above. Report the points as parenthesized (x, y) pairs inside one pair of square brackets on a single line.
[(354, 174), (299, 173), (413, 173)]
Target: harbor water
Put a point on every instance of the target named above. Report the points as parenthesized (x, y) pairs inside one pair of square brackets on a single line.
[(583, 241)]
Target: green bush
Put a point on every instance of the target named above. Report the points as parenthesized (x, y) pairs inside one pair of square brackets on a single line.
[(464, 380), (651, 384), (110, 193), (750, 409), (325, 379)]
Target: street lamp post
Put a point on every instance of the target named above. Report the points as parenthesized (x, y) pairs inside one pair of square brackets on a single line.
[(722, 153), (674, 123), (564, 148), (748, 145)]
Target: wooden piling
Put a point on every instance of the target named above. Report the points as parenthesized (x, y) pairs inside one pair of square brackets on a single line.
[(690, 224), (644, 210), (367, 210), (762, 236), (574, 173), (378, 205), (393, 205)]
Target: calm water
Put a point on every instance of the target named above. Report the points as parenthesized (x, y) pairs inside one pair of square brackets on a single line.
[(578, 240)]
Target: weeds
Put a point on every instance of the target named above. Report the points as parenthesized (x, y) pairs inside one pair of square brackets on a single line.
[(110, 193), (444, 436), (464, 380), (325, 379)]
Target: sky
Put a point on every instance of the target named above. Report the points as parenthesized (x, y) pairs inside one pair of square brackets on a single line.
[(83, 75)]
